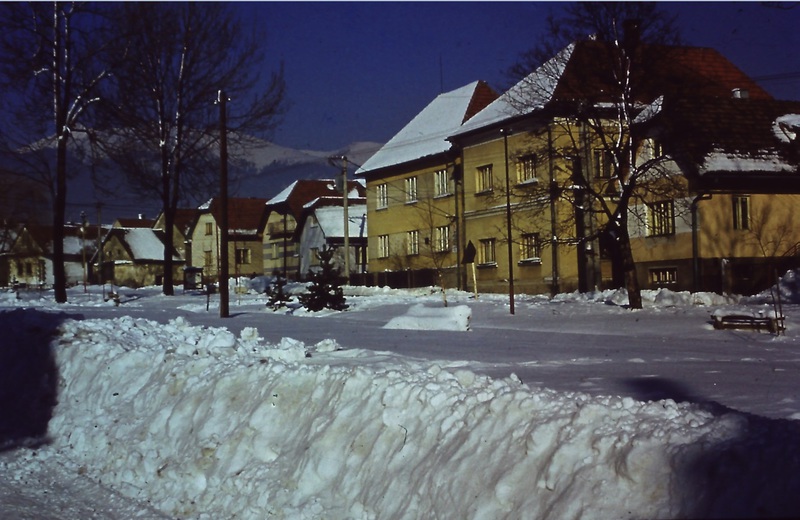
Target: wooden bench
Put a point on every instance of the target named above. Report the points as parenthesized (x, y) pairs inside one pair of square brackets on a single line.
[(745, 321)]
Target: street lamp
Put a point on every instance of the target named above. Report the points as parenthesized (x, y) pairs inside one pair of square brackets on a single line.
[(83, 247)]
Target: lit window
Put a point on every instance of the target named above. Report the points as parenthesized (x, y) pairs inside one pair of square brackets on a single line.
[(411, 189), (662, 218), (530, 247), (664, 276), (442, 239), (413, 242), (486, 252), (383, 246), (441, 186), (383, 195), (741, 212), (526, 169), (484, 179)]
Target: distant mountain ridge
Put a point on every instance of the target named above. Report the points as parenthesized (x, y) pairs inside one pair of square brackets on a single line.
[(272, 168)]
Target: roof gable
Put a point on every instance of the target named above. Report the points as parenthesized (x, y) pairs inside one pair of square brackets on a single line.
[(301, 192), (582, 72), (246, 216), (427, 133)]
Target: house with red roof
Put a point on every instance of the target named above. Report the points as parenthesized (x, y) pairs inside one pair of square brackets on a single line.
[(683, 153), (247, 218), (286, 210)]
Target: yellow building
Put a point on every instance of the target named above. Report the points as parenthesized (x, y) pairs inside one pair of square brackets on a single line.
[(411, 195), (246, 223), (537, 187)]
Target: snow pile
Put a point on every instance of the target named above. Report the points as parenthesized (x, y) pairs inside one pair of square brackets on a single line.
[(420, 317), (205, 424)]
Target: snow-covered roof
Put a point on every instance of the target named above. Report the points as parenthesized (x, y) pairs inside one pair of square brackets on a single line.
[(529, 94), (331, 220), (427, 133), (144, 243)]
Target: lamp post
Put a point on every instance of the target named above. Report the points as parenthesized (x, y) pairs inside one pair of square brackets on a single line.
[(505, 133), (83, 247)]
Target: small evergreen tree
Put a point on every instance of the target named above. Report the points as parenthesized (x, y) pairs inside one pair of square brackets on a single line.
[(325, 290), (276, 297)]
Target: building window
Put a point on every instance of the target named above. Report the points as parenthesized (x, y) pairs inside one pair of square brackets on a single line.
[(242, 256), (411, 189), (486, 252), (662, 218), (383, 246), (383, 195), (530, 248), (314, 260), (208, 259), (412, 241), (526, 169), (441, 183), (209, 228), (741, 212), (664, 276), (484, 179), (441, 239), (603, 164)]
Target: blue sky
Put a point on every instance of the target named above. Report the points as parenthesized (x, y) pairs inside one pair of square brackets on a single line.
[(359, 71)]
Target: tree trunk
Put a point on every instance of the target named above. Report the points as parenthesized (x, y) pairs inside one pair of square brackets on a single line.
[(60, 203), (169, 222), (629, 267)]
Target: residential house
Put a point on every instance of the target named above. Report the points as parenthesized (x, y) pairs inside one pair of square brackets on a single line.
[(246, 222), (281, 254), (181, 230), (139, 221), (411, 194), (29, 258), (134, 257), (322, 225), (529, 158)]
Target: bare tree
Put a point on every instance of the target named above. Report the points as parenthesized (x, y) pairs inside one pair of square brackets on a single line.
[(161, 127), (50, 74), (596, 91)]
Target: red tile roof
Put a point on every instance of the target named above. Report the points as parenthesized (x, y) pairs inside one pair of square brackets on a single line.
[(689, 72), (245, 215), (306, 190)]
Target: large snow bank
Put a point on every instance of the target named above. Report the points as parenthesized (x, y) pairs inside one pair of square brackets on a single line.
[(204, 424)]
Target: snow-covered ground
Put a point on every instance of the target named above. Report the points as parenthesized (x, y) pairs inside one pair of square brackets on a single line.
[(573, 407)]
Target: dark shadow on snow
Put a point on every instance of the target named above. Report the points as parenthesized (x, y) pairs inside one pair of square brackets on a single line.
[(28, 376), (753, 473)]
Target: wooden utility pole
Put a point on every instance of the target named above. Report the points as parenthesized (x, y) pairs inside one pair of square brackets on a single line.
[(223, 195), (346, 222)]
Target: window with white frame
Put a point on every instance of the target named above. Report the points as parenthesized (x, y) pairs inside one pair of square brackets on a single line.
[(242, 255), (526, 168), (441, 183), (441, 239), (411, 189), (530, 247), (483, 179), (382, 195), (383, 246), (412, 243), (661, 221), (741, 212), (486, 252)]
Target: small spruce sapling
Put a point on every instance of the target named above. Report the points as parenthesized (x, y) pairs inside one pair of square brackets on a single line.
[(325, 290), (276, 296)]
